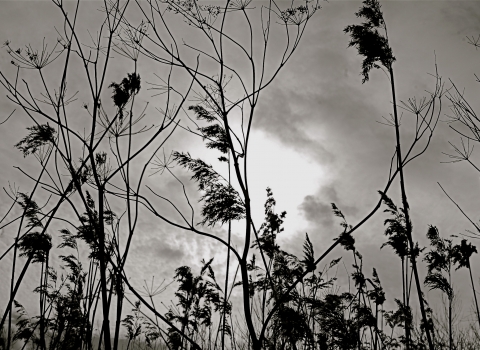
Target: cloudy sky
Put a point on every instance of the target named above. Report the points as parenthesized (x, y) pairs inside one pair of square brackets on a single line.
[(317, 136)]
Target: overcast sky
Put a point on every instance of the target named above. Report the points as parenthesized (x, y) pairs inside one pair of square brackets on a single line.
[(317, 137)]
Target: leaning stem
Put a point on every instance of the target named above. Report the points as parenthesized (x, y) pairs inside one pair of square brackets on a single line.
[(474, 292), (15, 289), (406, 212)]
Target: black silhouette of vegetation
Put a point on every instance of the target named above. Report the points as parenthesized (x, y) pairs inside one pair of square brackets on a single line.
[(78, 222)]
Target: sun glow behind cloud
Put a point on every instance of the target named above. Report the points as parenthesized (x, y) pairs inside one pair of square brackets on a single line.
[(291, 176)]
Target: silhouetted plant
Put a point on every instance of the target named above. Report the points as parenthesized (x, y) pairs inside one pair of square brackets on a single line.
[(66, 327), (198, 298), (398, 241), (371, 41), (289, 302), (440, 261), (368, 40), (222, 202), (39, 136), (133, 324), (461, 257), (122, 92), (377, 295), (35, 246)]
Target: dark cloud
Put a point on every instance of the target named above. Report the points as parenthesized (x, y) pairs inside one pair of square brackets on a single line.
[(279, 119), (161, 248), (317, 209)]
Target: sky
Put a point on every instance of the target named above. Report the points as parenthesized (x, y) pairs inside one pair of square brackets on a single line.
[(317, 138)]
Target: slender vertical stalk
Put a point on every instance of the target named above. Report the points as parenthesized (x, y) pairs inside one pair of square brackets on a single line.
[(103, 268), (406, 212), (119, 288), (407, 304), (450, 337), (450, 299), (43, 345), (405, 300), (228, 267), (376, 326)]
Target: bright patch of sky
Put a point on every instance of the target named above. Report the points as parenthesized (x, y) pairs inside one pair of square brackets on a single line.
[(290, 174)]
